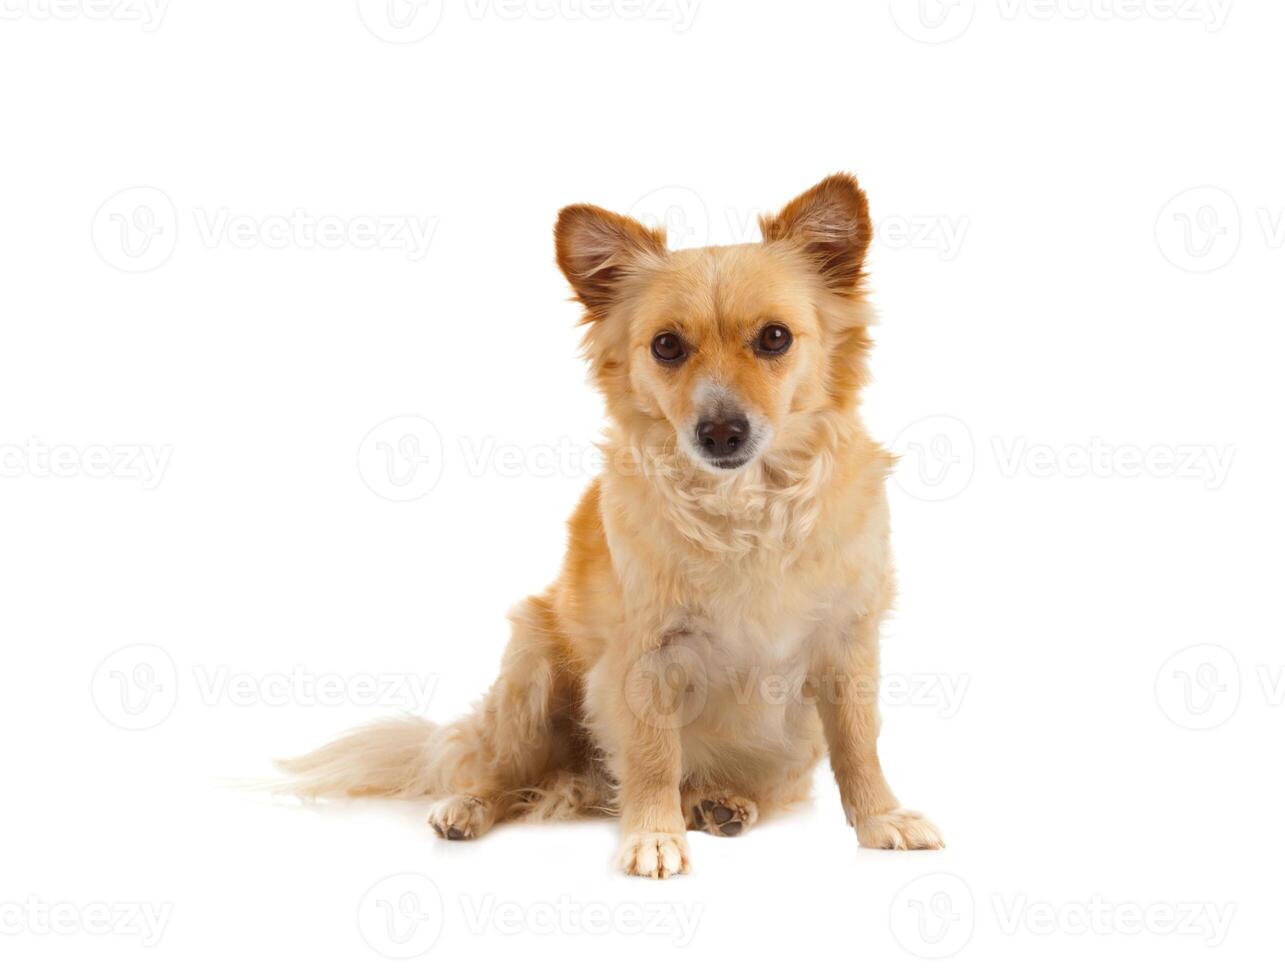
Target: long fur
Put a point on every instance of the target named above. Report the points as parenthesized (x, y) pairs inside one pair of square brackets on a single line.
[(634, 684), (397, 757)]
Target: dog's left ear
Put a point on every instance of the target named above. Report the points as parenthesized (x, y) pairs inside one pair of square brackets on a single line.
[(597, 249), (831, 224)]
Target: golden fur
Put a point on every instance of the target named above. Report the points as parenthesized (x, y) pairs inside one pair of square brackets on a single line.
[(712, 632)]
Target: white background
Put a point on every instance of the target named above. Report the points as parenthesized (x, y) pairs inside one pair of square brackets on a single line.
[(1078, 358)]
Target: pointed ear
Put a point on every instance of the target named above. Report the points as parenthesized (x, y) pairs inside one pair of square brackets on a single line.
[(595, 250), (831, 224)]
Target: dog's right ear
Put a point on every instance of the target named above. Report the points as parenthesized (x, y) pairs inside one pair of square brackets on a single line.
[(597, 249)]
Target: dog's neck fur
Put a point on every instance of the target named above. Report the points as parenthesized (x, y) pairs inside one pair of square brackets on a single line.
[(770, 507)]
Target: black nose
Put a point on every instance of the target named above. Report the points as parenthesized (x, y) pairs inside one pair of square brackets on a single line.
[(723, 437)]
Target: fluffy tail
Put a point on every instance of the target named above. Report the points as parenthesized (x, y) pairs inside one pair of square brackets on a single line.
[(390, 758), (506, 745)]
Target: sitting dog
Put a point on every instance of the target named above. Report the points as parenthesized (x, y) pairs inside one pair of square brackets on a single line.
[(715, 626)]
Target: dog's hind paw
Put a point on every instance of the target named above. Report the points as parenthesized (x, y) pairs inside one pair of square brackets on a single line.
[(461, 817), (899, 830), (723, 816)]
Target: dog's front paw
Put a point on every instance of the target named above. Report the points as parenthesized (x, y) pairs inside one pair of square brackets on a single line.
[(899, 830), (654, 855)]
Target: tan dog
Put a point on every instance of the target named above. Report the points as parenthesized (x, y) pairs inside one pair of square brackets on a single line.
[(715, 626)]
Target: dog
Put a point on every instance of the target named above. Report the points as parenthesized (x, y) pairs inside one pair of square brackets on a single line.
[(714, 630)]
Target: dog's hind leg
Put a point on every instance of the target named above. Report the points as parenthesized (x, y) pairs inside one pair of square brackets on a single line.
[(462, 817), (565, 794), (728, 805), (472, 766), (510, 740)]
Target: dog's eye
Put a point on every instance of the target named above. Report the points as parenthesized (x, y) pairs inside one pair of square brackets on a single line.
[(774, 339), (668, 347)]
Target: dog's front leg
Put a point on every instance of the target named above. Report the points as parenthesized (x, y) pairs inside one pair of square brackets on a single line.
[(846, 680), (645, 701)]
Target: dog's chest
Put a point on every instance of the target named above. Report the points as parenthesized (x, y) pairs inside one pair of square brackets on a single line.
[(750, 702), (763, 611), (751, 663), (762, 625)]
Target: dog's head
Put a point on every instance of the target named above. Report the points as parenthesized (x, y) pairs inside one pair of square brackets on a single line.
[(737, 349)]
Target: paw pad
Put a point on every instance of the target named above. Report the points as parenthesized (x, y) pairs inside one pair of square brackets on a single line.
[(724, 817)]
